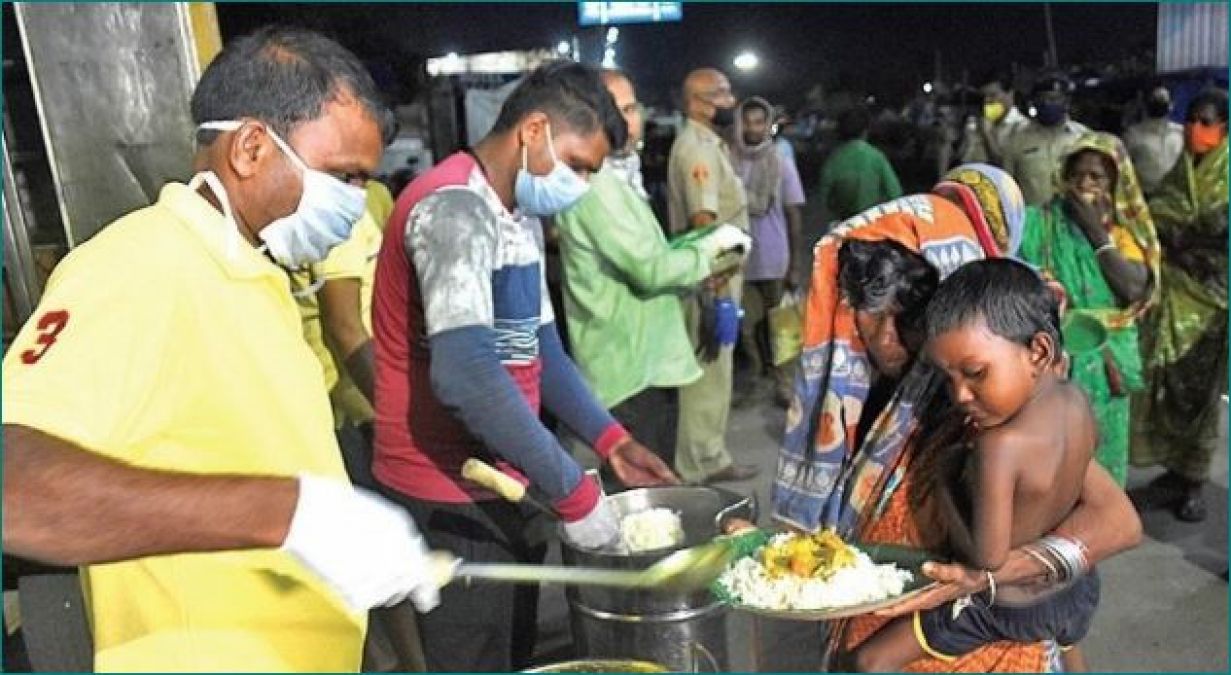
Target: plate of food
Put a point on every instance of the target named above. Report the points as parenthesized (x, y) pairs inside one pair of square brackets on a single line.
[(818, 577)]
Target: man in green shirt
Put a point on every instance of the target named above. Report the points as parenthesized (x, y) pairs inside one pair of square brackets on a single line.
[(856, 176), (622, 290)]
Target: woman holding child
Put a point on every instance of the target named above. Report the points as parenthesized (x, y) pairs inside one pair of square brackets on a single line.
[(853, 457), (1097, 239)]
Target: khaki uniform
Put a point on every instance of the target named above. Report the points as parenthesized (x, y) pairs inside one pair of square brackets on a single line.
[(1033, 155), (700, 178)]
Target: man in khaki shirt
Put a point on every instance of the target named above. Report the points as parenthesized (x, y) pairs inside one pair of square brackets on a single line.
[(1033, 154), (703, 190)]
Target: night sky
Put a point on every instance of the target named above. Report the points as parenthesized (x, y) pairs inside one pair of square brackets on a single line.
[(884, 49)]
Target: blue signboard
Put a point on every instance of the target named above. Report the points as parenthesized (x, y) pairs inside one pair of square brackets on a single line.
[(603, 13)]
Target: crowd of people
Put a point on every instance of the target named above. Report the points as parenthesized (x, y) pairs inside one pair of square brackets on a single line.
[(244, 410)]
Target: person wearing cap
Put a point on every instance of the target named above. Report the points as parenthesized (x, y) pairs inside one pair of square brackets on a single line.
[(1033, 153), (166, 427), (1155, 143)]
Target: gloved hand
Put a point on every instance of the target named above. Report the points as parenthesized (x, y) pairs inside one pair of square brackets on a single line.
[(719, 245), (364, 547), (597, 529)]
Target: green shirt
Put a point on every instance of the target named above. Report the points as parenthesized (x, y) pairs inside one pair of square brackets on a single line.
[(856, 177), (622, 288)]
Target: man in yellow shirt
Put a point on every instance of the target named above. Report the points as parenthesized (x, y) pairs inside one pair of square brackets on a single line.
[(165, 426)]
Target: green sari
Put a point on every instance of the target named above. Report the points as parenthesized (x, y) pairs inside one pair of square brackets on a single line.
[(1185, 337), (1054, 242)]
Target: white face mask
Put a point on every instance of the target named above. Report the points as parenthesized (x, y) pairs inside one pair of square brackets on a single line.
[(550, 194), (328, 209)]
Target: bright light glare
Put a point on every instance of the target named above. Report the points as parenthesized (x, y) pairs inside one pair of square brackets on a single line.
[(927, 87), (562, 47), (613, 34), (746, 61)]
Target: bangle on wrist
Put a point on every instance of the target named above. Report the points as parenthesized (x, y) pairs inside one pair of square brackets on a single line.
[(1109, 246)]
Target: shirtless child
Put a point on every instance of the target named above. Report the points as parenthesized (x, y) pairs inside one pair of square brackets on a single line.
[(993, 330)]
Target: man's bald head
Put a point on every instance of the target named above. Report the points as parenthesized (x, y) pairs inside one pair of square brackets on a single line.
[(705, 90)]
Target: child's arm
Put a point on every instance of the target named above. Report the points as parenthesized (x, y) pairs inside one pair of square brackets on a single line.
[(995, 472)]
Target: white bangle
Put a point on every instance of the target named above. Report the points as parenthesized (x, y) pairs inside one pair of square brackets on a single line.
[(1109, 246), (991, 585)]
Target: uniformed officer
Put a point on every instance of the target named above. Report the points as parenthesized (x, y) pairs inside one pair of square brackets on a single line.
[(1035, 150), (704, 190)]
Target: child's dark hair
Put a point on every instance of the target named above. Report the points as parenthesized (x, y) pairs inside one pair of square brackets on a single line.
[(885, 276), (1007, 296)]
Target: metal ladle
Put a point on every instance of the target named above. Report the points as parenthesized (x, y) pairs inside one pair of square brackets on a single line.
[(684, 570)]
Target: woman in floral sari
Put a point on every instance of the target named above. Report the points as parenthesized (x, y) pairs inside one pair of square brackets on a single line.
[(1184, 341), (1097, 239), (861, 471)]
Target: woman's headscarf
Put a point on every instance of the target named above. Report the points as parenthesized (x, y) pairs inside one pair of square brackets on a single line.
[(759, 166), (822, 479), (992, 199), (1131, 211)]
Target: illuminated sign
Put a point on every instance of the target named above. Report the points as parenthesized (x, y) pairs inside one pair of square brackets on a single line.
[(603, 13)]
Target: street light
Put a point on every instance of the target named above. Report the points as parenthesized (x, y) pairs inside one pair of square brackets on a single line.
[(746, 61), (927, 87), (562, 47)]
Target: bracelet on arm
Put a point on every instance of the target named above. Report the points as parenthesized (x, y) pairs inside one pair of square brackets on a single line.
[(991, 588), (1053, 575), (1109, 246), (1073, 561)]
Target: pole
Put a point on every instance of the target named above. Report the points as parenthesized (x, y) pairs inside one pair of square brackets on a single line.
[(1051, 38)]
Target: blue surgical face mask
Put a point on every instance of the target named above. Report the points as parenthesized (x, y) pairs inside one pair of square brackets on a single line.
[(1051, 114), (328, 209), (550, 194)]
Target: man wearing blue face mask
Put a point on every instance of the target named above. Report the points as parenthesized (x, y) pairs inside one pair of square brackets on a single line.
[(165, 425), (1033, 152), (467, 351)]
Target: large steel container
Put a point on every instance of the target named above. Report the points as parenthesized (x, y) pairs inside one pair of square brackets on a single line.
[(683, 631)]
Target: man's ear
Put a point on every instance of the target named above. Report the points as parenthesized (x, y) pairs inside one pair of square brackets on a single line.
[(1043, 351), (249, 146), (532, 127)]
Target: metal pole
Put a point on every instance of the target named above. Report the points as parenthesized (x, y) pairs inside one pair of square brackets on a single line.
[(20, 274), (1051, 37)]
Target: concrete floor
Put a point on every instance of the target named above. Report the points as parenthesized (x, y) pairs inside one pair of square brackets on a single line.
[(1163, 609)]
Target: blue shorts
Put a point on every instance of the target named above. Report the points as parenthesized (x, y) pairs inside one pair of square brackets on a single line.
[(1064, 617)]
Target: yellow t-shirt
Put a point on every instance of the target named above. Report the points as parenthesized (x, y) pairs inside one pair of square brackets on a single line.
[(354, 258), (380, 202), (168, 342)]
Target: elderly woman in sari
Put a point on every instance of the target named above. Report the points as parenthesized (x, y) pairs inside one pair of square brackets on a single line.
[(1097, 239), (1184, 341), (853, 458)]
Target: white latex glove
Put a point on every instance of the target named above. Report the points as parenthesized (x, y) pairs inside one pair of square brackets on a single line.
[(723, 239), (597, 529), (363, 546)]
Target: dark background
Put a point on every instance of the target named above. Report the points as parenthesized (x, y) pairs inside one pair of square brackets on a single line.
[(884, 49)]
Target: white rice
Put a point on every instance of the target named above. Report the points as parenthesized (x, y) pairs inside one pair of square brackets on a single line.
[(866, 581), (651, 529)]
